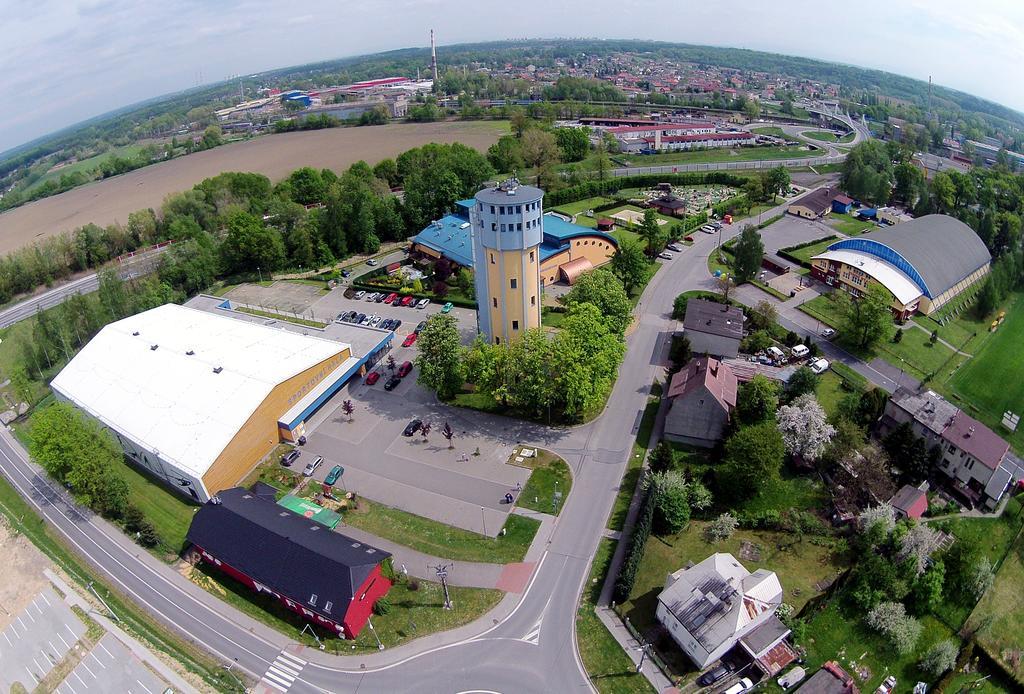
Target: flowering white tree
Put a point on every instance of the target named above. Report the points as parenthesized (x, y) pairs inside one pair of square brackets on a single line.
[(883, 514), (891, 619), (721, 528), (804, 427), (918, 545)]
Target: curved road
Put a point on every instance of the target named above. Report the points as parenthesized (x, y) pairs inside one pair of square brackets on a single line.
[(526, 644)]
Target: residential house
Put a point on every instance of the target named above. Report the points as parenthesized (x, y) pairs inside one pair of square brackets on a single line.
[(712, 606), (701, 398), (830, 679), (713, 328), (813, 205), (977, 461)]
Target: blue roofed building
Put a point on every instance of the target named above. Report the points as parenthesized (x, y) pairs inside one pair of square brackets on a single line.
[(566, 251)]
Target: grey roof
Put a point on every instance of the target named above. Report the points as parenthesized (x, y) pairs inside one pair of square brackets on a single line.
[(705, 316), (929, 408), (502, 196), (765, 636), (942, 249)]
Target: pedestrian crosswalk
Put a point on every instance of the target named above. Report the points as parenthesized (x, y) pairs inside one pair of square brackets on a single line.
[(282, 672)]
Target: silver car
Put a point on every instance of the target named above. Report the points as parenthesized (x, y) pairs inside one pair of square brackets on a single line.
[(376, 321), (312, 465)]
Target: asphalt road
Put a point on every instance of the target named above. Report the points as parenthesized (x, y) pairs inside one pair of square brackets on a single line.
[(527, 644)]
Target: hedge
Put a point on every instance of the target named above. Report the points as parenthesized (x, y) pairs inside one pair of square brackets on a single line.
[(787, 252), (635, 552)]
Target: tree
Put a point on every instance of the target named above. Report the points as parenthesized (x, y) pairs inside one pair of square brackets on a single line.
[(306, 186), (604, 290), (77, 451), (804, 427), (892, 621), (348, 408), (868, 318), (916, 547), (940, 658), (439, 360), (651, 232), (724, 284), (927, 590), (249, 245), (680, 352), (721, 528), (763, 315), (778, 181), (539, 149), (752, 460), (630, 265), (981, 577), (573, 143), (863, 478), (868, 172), (662, 458), (190, 266), (211, 137), (449, 434), (903, 445), (671, 502), (802, 382), (757, 400), (506, 155), (748, 252), (585, 357)]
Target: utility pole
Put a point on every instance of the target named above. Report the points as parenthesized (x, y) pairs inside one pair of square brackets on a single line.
[(100, 598), (442, 574), (229, 668), (318, 641), (644, 649), (380, 646)]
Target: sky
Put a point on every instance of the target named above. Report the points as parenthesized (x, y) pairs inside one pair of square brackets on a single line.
[(64, 61)]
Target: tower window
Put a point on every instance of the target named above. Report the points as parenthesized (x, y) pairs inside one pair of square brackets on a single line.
[(531, 256), (513, 283), (494, 226), (519, 209), (533, 300), (492, 259), (519, 226), (515, 325), (494, 299)]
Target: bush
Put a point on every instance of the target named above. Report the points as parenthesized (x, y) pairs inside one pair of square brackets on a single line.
[(680, 351), (940, 657), (382, 606), (662, 458), (671, 502), (721, 528), (897, 337), (635, 551), (440, 290)]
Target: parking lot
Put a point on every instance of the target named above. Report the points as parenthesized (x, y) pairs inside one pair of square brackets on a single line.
[(110, 667), (38, 638)]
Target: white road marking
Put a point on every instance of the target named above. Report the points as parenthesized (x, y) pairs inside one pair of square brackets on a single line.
[(106, 651), (282, 681), (75, 673), (274, 685), (66, 644), (53, 648), (98, 661), (8, 638), (32, 675), (83, 663), (43, 596), (21, 623), (70, 631), (69, 686), (37, 606), (143, 686)]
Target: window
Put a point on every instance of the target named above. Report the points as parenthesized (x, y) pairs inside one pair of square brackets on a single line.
[(531, 256), (519, 226), (497, 340), (501, 210), (492, 209), (513, 283), (494, 300), (519, 209), (492, 259), (494, 226), (533, 300), (515, 325), (481, 207)]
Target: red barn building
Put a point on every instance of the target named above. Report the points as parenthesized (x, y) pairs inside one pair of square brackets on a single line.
[(331, 580)]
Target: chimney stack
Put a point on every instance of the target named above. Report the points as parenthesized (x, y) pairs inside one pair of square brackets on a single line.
[(433, 56)]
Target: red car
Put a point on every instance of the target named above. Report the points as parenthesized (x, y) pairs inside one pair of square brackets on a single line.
[(407, 301), (409, 339), (390, 298), (372, 378), (404, 369)]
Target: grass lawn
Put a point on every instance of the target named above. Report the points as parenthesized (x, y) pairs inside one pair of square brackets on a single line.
[(281, 316), (722, 154), (636, 461), (413, 613), (807, 252), (581, 206), (715, 266), (992, 382), (87, 166), (440, 540), (849, 225), (772, 130), (169, 512), (273, 473), (552, 319), (836, 633), (802, 492), (830, 392), (610, 669), (550, 474), (822, 136), (622, 235), (799, 565), (999, 617)]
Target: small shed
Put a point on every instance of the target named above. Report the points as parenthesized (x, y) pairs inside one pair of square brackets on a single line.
[(841, 204), (867, 213), (605, 224), (909, 502)]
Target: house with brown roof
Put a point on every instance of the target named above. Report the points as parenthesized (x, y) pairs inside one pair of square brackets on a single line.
[(978, 462), (701, 398), (813, 205)]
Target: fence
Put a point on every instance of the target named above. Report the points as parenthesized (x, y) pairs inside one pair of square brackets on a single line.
[(725, 166)]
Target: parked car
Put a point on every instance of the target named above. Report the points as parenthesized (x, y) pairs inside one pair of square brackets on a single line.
[(409, 340), (404, 369), (380, 298), (828, 332), (412, 427), (407, 300), (447, 307), (664, 255), (396, 323), (346, 273), (359, 295), (312, 465), (793, 677), (422, 303), (716, 674), (800, 351), (365, 319), (290, 457), (376, 321), (819, 366), (334, 474), (392, 383), (371, 262), (372, 377), (708, 229), (371, 297), (419, 328), (390, 298), (358, 318), (741, 686), (385, 324), (674, 247)]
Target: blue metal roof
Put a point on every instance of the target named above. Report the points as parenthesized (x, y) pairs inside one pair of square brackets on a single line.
[(464, 206), (453, 237)]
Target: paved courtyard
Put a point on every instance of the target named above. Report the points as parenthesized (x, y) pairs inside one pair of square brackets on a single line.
[(791, 230), (291, 297), (110, 667), (38, 638)]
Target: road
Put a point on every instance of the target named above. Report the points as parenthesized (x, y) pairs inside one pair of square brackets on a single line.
[(527, 644)]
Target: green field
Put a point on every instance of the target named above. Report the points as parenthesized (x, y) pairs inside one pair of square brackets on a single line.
[(822, 136), (550, 475), (167, 510), (830, 392), (807, 252), (999, 617), (87, 166), (848, 225), (993, 380), (610, 669), (721, 155), (770, 130), (444, 541), (581, 206)]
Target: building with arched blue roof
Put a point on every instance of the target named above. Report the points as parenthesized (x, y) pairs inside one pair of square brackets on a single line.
[(924, 263)]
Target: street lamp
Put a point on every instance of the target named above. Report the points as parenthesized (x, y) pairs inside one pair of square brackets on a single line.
[(318, 641), (260, 273)]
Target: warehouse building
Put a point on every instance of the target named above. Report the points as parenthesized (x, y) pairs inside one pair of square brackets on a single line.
[(924, 263), (566, 249), (199, 398)]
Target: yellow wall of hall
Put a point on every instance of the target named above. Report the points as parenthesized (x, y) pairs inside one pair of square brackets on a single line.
[(260, 434), (595, 249)]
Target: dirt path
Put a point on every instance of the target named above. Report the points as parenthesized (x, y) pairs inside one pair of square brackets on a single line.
[(109, 201)]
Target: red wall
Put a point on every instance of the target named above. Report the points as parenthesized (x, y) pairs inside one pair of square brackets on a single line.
[(375, 586)]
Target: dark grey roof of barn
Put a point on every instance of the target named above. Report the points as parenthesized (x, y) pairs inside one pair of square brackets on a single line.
[(288, 553)]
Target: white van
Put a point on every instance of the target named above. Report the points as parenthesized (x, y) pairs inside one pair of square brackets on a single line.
[(775, 353), (741, 686), (819, 366), (800, 351)]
